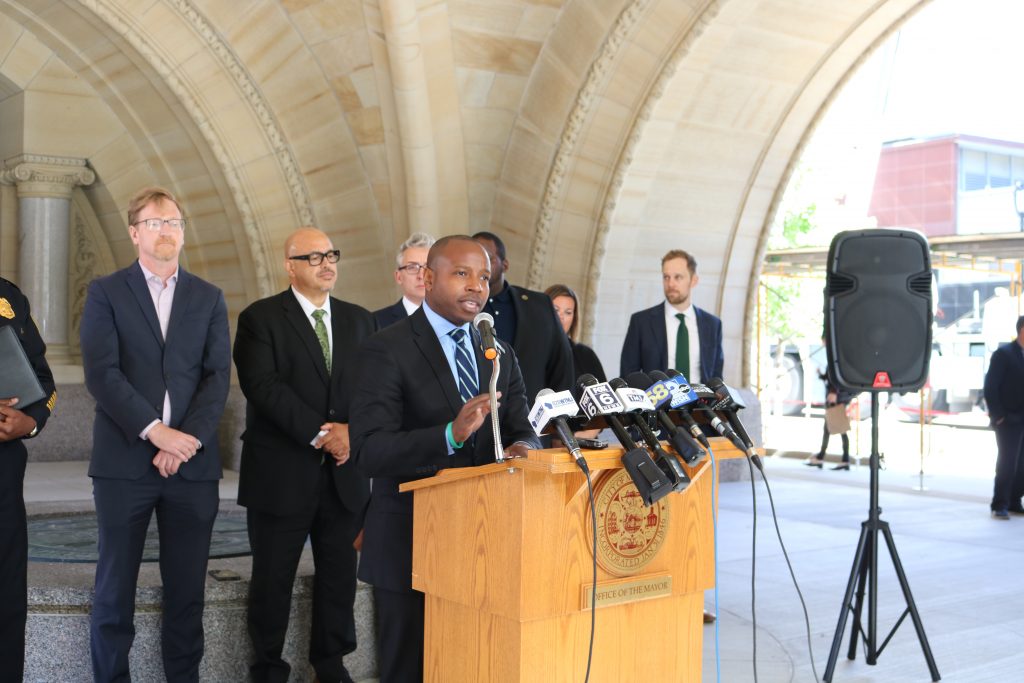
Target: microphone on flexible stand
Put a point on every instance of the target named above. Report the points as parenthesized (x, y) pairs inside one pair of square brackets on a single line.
[(484, 323)]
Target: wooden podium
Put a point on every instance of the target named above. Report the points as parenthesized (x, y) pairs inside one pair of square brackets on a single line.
[(504, 559)]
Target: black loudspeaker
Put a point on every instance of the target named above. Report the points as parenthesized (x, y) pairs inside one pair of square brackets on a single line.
[(878, 310)]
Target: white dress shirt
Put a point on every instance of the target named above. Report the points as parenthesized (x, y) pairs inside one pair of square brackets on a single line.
[(163, 297), (410, 307)]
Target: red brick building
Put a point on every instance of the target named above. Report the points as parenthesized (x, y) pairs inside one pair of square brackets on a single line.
[(949, 185)]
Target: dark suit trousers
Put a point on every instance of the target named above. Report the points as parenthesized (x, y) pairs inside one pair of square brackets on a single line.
[(13, 558), (185, 511), (1009, 484), (277, 543), (399, 635)]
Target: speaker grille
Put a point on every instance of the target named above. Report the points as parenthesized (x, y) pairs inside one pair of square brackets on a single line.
[(922, 284), (840, 284)]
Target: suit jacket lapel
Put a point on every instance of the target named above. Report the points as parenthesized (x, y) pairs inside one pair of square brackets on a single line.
[(179, 304), (429, 345), (340, 349), (137, 284), (304, 329), (522, 339), (660, 337)]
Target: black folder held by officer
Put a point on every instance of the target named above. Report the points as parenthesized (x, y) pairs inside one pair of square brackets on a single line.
[(19, 420)]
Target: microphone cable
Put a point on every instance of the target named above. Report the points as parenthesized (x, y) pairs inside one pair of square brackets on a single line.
[(714, 545), (593, 588), (753, 565), (803, 605)]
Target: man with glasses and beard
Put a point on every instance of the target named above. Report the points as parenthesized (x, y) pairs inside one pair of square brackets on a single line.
[(157, 359), (293, 352)]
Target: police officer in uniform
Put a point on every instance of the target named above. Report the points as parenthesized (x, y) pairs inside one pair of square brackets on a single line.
[(17, 423)]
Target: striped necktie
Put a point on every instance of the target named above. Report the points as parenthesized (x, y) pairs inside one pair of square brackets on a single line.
[(468, 387)]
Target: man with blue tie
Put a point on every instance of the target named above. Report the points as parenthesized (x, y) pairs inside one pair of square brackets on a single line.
[(157, 359), (417, 409), (675, 333)]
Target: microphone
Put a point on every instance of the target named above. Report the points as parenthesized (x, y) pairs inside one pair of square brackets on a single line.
[(484, 323), (730, 406), (555, 407), (677, 396), (681, 441), (637, 407), (709, 400), (598, 398)]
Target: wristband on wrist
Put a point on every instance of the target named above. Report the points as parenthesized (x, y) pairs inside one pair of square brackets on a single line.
[(451, 438)]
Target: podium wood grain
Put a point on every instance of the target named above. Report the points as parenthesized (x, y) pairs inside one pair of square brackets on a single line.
[(503, 558)]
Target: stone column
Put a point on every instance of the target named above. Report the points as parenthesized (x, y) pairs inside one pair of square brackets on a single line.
[(44, 185)]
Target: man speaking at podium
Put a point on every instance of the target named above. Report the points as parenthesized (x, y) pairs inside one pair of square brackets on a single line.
[(420, 405)]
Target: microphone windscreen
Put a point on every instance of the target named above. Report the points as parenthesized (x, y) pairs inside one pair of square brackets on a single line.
[(639, 380), (483, 317)]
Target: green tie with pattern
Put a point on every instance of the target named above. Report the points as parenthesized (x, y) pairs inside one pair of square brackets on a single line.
[(321, 334), (683, 347)]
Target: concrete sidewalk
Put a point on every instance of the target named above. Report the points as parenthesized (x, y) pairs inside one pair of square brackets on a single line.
[(960, 563)]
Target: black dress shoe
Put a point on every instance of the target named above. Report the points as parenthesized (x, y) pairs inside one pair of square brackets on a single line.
[(814, 462), (1001, 514), (843, 466)]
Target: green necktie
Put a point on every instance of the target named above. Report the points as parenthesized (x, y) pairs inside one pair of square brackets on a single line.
[(683, 347), (321, 334)]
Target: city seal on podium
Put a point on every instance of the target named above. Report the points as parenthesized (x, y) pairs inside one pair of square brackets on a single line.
[(629, 535)]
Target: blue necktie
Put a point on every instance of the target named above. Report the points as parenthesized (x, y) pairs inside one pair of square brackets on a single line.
[(464, 366)]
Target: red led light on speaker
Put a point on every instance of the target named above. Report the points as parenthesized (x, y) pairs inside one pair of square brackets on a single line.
[(881, 381)]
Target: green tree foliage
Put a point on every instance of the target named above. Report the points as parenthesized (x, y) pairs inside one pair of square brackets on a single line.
[(793, 305)]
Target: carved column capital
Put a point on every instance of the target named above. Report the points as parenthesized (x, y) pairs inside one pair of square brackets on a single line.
[(36, 175)]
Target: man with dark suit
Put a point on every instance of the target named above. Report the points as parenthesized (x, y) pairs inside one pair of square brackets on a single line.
[(675, 334), (294, 354), (18, 421), (416, 410), (1004, 396), (412, 261), (157, 358), (527, 320)]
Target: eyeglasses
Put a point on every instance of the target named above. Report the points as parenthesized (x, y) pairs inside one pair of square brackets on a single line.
[(155, 224), (315, 258), (413, 268)]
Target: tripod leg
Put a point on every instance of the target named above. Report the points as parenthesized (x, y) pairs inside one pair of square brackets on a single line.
[(911, 605), (856, 571), (870, 541)]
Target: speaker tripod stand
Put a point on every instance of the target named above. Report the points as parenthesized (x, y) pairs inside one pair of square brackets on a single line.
[(864, 572)]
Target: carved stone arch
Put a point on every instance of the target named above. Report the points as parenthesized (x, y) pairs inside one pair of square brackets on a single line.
[(183, 100), (90, 257), (687, 141)]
